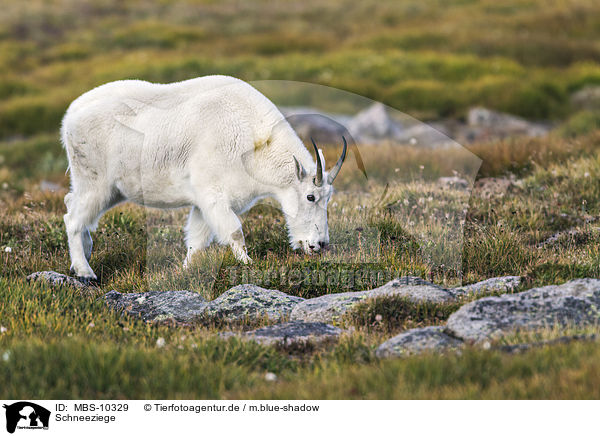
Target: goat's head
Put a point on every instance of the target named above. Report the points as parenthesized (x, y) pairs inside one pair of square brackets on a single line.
[(307, 203)]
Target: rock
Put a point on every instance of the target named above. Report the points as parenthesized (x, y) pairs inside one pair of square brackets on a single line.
[(518, 348), (574, 304), (495, 284), (159, 306), (321, 127), (434, 135), (490, 124), (331, 307), (55, 279), (456, 183), (587, 97), (417, 341), (292, 333), (490, 187), (251, 302), (373, 125)]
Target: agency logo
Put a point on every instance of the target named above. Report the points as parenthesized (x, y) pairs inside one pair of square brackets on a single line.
[(26, 415)]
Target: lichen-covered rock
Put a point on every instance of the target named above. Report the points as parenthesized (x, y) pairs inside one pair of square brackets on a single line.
[(575, 303), (55, 279), (159, 306), (250, 303), (417, 341), (292, 333), (495, 284), (330, 308)]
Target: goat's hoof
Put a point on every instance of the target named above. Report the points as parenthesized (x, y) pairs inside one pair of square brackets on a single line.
[(87, 281)]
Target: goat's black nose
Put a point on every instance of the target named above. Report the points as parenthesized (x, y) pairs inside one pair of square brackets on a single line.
[(312, 247)]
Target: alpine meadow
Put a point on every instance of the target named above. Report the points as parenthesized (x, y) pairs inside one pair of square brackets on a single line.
[(522, 207)]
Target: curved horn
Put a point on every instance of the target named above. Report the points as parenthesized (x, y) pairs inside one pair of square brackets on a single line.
[(338, 165), (318, 180)]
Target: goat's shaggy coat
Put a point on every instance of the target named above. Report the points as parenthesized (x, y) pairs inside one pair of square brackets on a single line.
[(214, 143)]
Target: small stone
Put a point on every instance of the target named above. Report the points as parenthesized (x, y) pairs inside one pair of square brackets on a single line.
[(417, 341), (492, 187), (270, 377), (55, 279)]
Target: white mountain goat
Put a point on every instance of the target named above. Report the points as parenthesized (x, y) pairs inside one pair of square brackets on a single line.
[(213, 143)]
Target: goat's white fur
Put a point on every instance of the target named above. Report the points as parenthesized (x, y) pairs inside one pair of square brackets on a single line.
[(213, 143)]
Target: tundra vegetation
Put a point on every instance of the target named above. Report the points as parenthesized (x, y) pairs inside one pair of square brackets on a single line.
[(422, 58)]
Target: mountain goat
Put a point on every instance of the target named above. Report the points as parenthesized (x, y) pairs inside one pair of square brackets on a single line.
[(213, 143)]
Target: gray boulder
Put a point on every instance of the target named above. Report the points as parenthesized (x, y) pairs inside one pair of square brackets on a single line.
[(251, 303), (417, 341), (373, 125), (331, 307), (575, 303), (495, 284), (159, 306), (55, 279), (488, 124), (318, 126), (292, 333)]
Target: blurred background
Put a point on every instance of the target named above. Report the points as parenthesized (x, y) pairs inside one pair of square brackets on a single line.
[(434, 60)]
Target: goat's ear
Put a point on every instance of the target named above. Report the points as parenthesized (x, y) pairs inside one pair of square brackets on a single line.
[(300, 172)]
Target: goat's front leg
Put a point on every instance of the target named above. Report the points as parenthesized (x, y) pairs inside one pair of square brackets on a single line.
[(227, 228)]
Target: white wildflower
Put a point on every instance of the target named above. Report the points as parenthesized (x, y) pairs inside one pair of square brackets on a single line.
[(160, 342), (6, 356), (7, 249), (3, 329), (269, 376)]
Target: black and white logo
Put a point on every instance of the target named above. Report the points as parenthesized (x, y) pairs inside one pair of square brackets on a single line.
[(26, 415)]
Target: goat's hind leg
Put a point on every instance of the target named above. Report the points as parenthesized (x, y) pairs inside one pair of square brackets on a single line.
[(198, 234), (83, 210)]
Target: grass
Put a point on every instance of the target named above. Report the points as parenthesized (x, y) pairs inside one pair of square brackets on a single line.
[(110, 356), (428, 59)]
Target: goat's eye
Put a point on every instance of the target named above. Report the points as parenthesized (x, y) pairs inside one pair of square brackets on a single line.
[(310, 197)]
